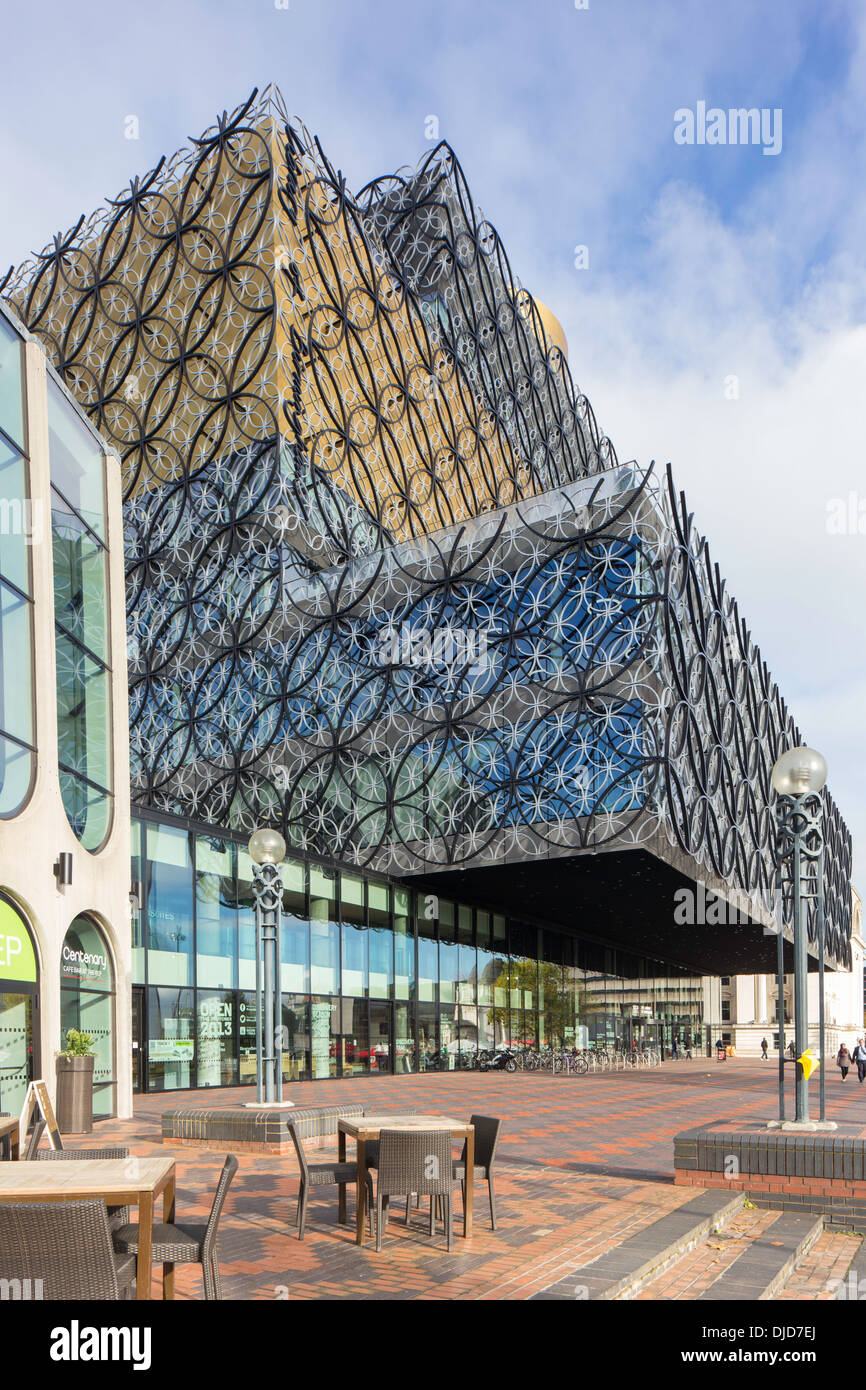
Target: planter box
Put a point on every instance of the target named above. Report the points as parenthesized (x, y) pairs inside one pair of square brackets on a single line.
[(75, 1094), (254, 1131)]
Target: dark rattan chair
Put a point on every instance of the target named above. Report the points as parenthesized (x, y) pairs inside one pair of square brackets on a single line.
[(117, 1216), (324, 1175), (371, 1149), (487, 1132), (66, 1245), (187, 1244), (420, 1162)]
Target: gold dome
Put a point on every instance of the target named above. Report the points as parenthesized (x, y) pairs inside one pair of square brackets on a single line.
[(552, 328)]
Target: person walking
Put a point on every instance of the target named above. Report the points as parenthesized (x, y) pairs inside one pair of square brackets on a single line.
[(858, 1056), (843, 1060), (675, 1047), (764, 1046)]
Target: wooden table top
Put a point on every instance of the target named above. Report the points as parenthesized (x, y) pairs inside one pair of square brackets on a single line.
[(92, 1177), (368, 1126), (7, 1124)]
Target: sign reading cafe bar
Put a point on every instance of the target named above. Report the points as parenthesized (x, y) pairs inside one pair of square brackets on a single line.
[(84, 965)]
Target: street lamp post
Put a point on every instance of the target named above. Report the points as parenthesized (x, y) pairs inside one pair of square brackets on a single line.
[(267, 850), (798, 779)]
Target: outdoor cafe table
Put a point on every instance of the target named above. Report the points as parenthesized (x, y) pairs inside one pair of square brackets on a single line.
[(122, 1182), (363, 1128), (9, 1130)]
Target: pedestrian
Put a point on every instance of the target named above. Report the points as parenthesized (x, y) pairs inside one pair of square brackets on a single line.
[(675, 1047), (859, 1057), (843, 1060), (764, 1046)]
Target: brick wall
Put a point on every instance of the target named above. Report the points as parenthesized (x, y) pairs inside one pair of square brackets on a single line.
[(824, 1174)]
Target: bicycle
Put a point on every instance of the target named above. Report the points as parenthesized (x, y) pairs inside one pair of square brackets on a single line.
[(573, 1061), (602, 1058)]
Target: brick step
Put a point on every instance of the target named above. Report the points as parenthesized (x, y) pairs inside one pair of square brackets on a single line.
[(853, 1285), (689, 1276), (620, 1272), (834, 1268), (768, 1261)]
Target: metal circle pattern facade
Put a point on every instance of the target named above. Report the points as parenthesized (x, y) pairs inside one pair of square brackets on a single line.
[(388, 586)]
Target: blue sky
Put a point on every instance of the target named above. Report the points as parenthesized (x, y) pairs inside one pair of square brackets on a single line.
[(707, 264)]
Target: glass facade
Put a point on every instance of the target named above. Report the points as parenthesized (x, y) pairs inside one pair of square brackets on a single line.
[(81, 620), (87, 1003), (376, 977), (19, 526)]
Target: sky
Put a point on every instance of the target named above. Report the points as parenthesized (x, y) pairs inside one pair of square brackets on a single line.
[(716, 318)]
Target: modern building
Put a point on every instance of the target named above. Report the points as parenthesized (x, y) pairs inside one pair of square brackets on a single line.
[(749, 1007), (64, 735), (390, 590)]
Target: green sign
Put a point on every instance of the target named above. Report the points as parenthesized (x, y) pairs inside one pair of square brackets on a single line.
[(17, 957), (170, 1049)]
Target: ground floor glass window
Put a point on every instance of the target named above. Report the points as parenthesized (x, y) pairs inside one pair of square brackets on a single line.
[(87, 1004)]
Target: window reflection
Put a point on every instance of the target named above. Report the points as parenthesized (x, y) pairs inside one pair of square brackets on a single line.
[(170, 1039), (20, 527), (87, 1003), (169, 905), (216, 1061), (216, 912), (80, 564), (76, 461), (386, 993)]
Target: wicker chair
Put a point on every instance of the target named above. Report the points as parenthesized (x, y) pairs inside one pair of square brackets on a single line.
[(117, 1216), (487, 1132), (404, 1168), (187, 1244), (371, 1148), (66, 1245), (324, 1175)]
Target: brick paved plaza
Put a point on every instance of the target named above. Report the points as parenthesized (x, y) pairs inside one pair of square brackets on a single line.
[(583, 1162)]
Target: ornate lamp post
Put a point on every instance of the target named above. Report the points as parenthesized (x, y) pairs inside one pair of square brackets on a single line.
[(798, 779), (267, 850)]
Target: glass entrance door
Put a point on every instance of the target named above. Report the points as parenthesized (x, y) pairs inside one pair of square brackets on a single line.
[(355, 1041), (16, 1050), (139, 1072), (381, 1035), (404, 1039)]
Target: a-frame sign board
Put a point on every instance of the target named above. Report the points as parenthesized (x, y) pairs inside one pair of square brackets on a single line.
[(37, 1098)]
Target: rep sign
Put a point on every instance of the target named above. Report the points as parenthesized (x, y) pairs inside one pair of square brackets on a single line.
[(17, 957)]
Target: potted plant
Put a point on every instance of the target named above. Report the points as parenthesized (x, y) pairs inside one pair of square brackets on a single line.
[(74, 1067)]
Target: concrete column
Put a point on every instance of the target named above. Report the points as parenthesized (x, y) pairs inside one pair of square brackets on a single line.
[(761, 1015), (743, 999)]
